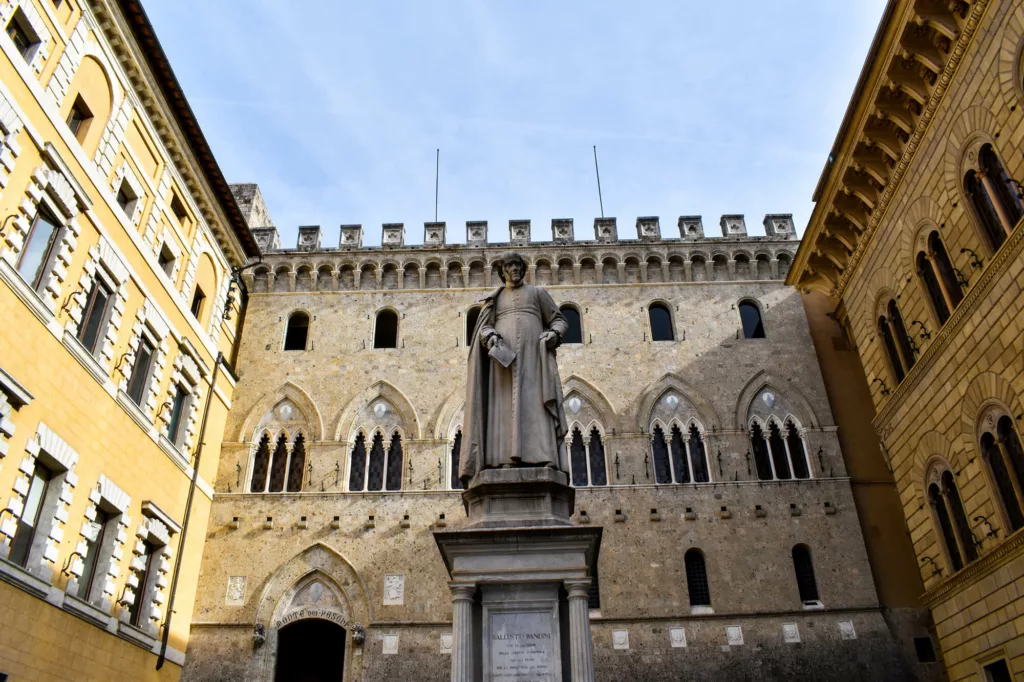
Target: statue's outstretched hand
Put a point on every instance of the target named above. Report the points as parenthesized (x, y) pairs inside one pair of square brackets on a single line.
[(550, 339)]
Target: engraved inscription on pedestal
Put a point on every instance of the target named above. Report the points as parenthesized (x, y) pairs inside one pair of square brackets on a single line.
[(523, 646)]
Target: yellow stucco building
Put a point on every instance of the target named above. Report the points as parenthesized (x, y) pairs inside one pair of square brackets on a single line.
[(118, 236), (916, 239)]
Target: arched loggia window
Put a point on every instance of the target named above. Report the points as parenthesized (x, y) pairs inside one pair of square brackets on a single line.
[(1005, 457), (778, 455), (385, 330), (572, 315), (586, 459), (280, 470), (661, 322), (939, 279), (750, 316), (993, 197), (680, 455), (297, 332), (948, 510), (381, 468), (898, 345)]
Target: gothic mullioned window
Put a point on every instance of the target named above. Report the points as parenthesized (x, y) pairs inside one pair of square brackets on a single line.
[(261, 465), (680, 455), (381, 468), (997, 206), (586, 458), (951, 521), (1001, 449), (778, 454), (278, 465), (939, 278)]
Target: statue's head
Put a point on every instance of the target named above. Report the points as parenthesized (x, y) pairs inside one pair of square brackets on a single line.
[(513, 267)]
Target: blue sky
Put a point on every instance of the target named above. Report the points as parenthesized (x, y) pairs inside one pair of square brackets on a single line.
[(696, 108)]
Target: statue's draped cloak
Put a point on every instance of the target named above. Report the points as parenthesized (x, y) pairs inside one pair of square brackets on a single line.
[(514, 415)]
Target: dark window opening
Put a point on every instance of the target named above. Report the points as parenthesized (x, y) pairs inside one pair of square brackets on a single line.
[(38, 249), (804, 569), (297, 332), (136, 609), (945, 527), (22, 35), (932, 286), (260, 466), (92, 554), (179, 415), (659, 448), (178, 209), (890, 349), (985, 210), (925, 650), (456, 482), (796, 451), (698, 458), (310, 650), (750, 316), (661, 323), (31, 513), (998, 671), (575, 332), (297, 464), (680, 464), (197, 302), (127, 198), (94, 319), (141, 371), (762, 460), (375, 470), (778, 448), (394, 473), (1001, 474), (166, 260), (79, 118), (697, 579), (598, 469), (357, 464), (385, 332), (472, 316), (278, 466), (946, 270), (594, 596), (578, 459), (956, 507), (1004, 194)]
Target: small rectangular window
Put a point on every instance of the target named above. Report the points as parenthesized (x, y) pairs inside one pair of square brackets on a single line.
[(38, 249), (178, 209), (28, 524), (136, 609), (127, 199), (92, 553), (179, 414), (94, 319), (22, 35), (197, 303), (79, 118), (166, 260), (998, 671), (141, 372), (925, 649)]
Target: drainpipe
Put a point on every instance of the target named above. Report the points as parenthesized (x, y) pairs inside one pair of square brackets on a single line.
[(188, 513)]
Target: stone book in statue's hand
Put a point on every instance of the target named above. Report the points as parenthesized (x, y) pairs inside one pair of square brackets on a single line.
[(502, 353)]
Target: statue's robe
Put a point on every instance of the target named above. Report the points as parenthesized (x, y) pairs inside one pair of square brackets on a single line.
[(514, 415)]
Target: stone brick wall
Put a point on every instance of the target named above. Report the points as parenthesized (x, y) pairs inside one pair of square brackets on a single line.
[(746, 528)]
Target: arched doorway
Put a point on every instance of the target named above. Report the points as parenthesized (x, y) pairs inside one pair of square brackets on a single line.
[(310, 650)]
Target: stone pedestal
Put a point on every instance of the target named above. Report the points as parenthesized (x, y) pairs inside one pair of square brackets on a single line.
[(520, 579)]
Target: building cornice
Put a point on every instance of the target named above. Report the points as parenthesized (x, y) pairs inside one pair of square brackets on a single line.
[(910, 74)]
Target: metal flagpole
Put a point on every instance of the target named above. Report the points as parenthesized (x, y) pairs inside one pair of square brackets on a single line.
[(598, 173)]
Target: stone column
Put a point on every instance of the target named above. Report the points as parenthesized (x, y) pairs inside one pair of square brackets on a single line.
[(581, 647), (462, 631)]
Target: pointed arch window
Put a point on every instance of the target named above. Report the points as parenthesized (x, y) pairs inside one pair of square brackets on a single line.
[(1002, 450), (378, 469), (454, 481), (375, 466), (697, 579), (472, 316), (572, 315), (797, 452), (296, 464), (586, 459), (385, 330), (680, 457), (750, 316), (297, 331), (778, 455), (661, 322), (260, 466), (394, 468), (762, 458), (805, 581)]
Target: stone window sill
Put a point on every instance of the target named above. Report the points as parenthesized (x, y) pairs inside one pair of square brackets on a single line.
[(172, 451), (701, 610), (813, 606), (26, 294), (135, 412), (89, 612), (136, 636), (20, 577), (87, 361)]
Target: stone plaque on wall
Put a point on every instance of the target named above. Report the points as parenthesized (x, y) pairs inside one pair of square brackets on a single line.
[(446, 644), (394, 590), (235, 595), (734, 635), (846, 629), (620, 639), (677, 637), (389, 645), (790, 633), (523, 646)]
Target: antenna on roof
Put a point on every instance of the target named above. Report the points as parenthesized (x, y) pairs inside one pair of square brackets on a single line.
[(437, 168), (598, 173)]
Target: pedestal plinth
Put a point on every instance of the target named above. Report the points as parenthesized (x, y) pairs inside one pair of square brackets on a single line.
[(520, 578)]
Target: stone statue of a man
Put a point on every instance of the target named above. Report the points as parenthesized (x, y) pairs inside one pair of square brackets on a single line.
[(514, 414)]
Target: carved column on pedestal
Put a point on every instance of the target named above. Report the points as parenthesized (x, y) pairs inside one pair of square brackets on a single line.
[(581, 648), (462, 631)]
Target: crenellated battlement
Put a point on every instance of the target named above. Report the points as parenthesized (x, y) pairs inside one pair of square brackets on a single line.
[(778, 227)]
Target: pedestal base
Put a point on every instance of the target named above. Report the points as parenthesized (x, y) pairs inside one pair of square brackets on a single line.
[(518, 497)]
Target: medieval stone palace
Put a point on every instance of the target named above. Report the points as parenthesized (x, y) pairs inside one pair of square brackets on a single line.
[(225, 458)]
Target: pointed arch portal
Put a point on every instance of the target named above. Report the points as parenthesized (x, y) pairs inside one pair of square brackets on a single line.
[(311, 650)]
